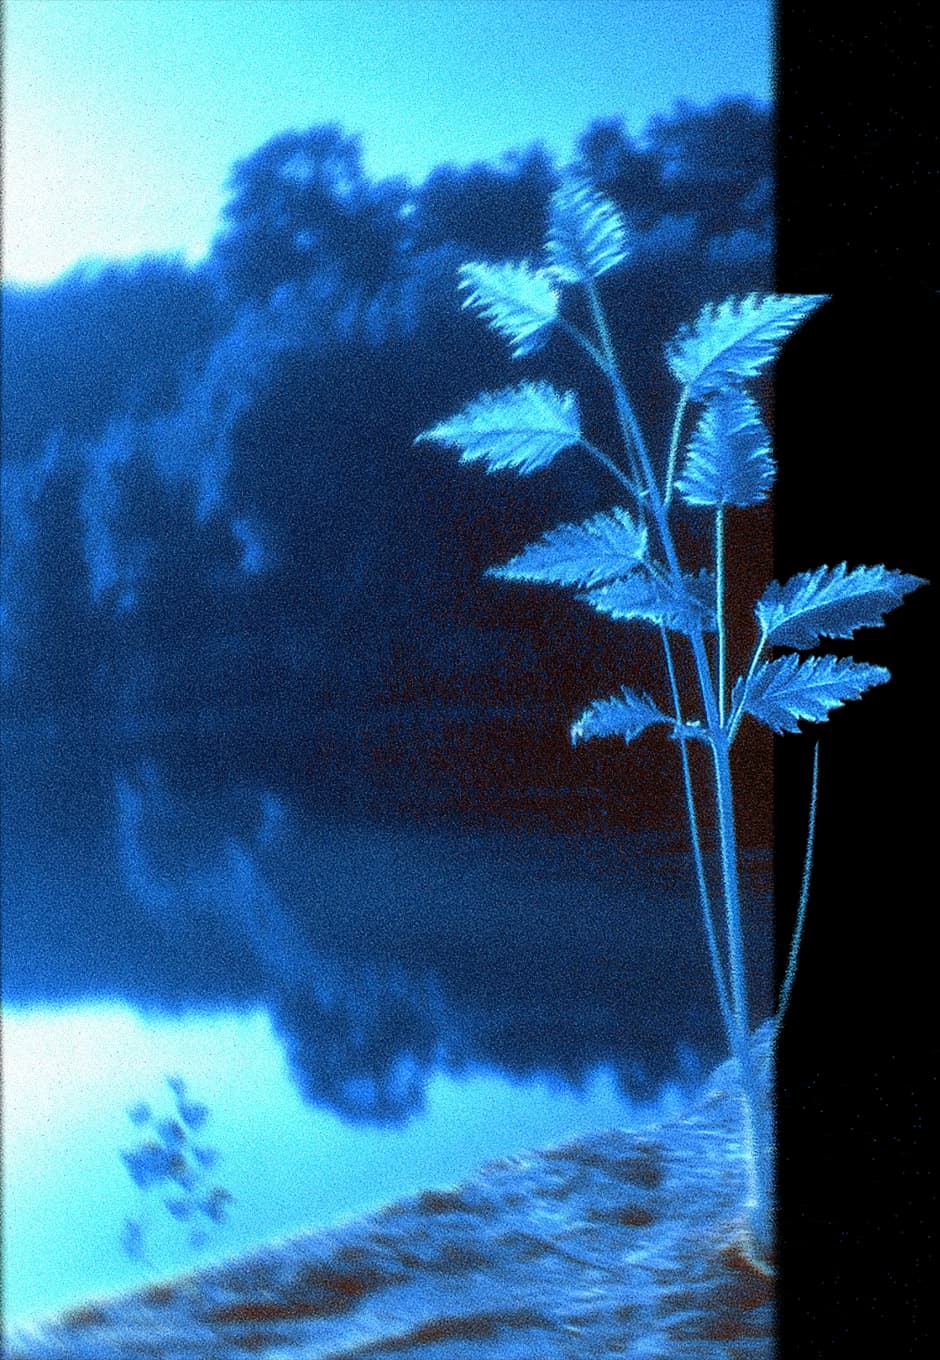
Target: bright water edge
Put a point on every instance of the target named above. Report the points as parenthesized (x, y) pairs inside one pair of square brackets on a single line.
[(71, 1074), (367, 1009)]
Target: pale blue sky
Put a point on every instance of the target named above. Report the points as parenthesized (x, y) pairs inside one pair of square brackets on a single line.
[(122, 117)]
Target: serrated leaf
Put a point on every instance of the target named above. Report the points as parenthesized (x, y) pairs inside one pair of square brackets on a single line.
[(522, 428), (608, 545), (728, 458), (732, 342), (785, 691), (830, 602), (518, 301), (625, 715), (643, 598), (586, 233)]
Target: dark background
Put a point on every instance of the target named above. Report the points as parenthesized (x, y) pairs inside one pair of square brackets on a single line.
[(856, 174)]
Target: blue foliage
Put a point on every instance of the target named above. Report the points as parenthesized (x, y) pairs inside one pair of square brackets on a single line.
[(782, 692), (522, 427), (730, 343), (625, 715), (647, 598), (728, 463), (181, 1209), (148, 1164), (728, 460), (830, 602), (602, 548), (169, 1160), (171, 1132), (587, 235), (518, 301)]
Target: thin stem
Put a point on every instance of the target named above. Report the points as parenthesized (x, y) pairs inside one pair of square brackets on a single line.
[(739, 1028), (612, 467), (721, 985), (728, 845), (720, 606), (758, 1114), (630, 430), (674, 445), (583, 341), (804, 895), (738, 713)]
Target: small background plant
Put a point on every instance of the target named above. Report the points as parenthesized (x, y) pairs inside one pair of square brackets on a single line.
[(172, 1172), (625, 564)]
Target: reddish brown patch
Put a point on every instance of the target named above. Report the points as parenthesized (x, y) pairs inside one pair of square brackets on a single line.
[(158, 1294), (625, 1216), (332, 1292), (263, 1312), (87, 1316), (644, 1171), (744, 1291), (461, 1327), (442, 1202), (348, 1284), (725, 1325), (736, 1258)]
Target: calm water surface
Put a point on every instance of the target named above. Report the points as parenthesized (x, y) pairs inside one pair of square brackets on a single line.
[(365, 1007)]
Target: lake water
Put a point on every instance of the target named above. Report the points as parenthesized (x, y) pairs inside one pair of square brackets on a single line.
[(366, 1007)]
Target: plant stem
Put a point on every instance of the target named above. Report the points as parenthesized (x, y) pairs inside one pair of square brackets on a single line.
[(804, 895), (738, 713), (582, 340), (758, 1114), (757, 1109), (674, 445), (720, 606), (721, 985), (612, 467)]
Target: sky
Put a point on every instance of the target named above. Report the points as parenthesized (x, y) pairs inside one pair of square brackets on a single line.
[(121, 118)]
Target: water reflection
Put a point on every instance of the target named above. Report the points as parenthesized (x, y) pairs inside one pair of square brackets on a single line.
[(71, 1075), (382, 952), (366, 1008)]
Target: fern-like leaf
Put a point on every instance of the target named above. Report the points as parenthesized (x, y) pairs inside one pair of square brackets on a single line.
[(519, 302), (643, 598), (734, 341), (625, 715), (782, 692), (728, 460), (522, 427), (831, 602), (604, 547), (586, 233)]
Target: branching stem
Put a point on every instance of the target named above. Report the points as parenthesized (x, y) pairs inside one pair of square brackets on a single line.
[(738, 713), (757, 1110), (721, 985), (612, 468)]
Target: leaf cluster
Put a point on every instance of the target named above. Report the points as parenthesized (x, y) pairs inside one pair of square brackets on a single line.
[(726, 463), (168, 1156)]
